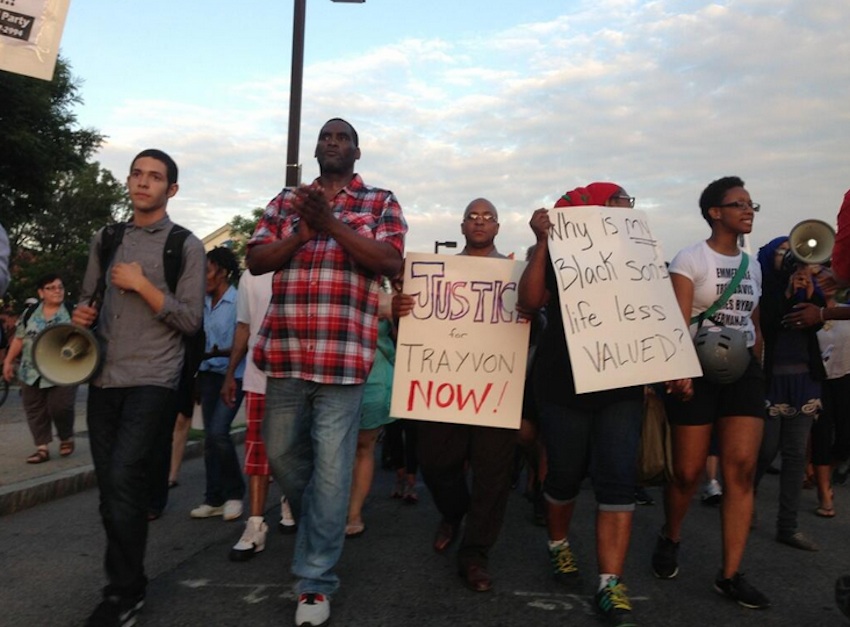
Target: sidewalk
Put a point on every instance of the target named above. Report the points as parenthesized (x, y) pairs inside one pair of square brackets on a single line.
[(24, 485)]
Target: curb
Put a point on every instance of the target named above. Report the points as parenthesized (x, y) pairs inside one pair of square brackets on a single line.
[(23, 495)]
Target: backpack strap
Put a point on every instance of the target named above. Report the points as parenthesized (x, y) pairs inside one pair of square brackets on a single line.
[(172, 255), (110, 239)]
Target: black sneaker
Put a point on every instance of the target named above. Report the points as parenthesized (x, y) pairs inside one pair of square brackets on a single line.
[(564, 566), (115, 611), (665, 558), (740, 590), (614, 605)]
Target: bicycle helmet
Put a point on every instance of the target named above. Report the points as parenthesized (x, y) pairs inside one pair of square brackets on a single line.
[(722, 353)]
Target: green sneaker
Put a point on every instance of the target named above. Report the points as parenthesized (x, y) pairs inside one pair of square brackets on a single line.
[(563, 561), (614, 605)]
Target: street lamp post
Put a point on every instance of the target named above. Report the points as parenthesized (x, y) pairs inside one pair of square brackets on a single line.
[(296, 80), (443, 244)]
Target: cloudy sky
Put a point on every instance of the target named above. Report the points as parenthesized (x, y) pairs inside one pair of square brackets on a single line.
[(513, 100)]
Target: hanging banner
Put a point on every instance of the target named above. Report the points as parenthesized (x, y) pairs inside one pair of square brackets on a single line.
[(462, 351), (30, 32), (622, 322)]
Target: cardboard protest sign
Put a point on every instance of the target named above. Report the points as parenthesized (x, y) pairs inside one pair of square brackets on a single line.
[(30, 31), (461, 353), (621, 320)]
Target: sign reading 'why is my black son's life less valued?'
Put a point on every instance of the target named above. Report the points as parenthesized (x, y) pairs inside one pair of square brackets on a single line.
[(622, 322), (462, 351)]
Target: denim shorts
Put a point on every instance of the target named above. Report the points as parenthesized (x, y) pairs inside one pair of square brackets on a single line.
[(602, 443)]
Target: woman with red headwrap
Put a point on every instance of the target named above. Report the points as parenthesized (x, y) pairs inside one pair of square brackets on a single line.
[(597, 432)]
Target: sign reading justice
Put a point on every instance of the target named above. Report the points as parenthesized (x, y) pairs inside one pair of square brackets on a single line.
[(461, 352), (622, 322)]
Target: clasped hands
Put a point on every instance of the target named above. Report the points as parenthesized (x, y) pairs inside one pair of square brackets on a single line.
[(313, 208)]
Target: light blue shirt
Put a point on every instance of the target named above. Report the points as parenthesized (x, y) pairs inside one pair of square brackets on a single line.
[(219, 327)]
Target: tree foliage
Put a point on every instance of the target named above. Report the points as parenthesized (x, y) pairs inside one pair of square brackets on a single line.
[(241, 230), (53, 197)]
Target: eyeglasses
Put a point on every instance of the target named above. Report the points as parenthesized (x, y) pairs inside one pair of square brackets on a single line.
[(54, 288), (623, 201), (480, 217), (740, 204)]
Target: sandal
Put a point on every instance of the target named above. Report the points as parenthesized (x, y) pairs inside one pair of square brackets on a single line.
[(66, 447), (825, 512), (41, 455), (354, 530)]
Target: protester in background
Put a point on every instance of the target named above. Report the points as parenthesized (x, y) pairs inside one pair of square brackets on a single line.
[(171, 441), (187, 399), (374, 414), (833, 425), (317, 345), (45, 404), (699, 274), (255, 292), (225, 487), (596, 433), (794, 371), (140, 330)]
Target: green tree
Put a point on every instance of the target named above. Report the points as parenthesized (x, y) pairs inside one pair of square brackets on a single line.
[(57, 238), (53, 197), (241, 230)]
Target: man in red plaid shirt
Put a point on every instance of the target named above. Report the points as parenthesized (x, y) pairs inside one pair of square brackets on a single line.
[(328, 244)]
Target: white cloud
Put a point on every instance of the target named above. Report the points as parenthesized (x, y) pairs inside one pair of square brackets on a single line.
[(661, 97)]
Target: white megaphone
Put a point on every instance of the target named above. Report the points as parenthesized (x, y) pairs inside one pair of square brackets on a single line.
[(811, 241), (66, 354)]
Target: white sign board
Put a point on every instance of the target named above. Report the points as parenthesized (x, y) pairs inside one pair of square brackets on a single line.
[(621, 319), (461, 353), (30, 32)]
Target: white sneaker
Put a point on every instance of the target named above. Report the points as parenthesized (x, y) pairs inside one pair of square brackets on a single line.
[(712, 492), (314, 609), (287, 520), (253, 540), (206, 511), (232, 509)]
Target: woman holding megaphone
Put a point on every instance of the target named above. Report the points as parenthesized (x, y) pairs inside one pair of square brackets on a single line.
[(45, 403)]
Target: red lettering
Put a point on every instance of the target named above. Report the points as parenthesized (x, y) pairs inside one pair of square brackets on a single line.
[(426, 396)]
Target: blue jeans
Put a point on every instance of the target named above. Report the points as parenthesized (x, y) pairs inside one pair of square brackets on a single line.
[(604, 441), (224, 474), (123, 426), (310, 431)]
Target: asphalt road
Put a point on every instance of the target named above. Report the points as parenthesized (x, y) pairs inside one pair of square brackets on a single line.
[(51, 573)]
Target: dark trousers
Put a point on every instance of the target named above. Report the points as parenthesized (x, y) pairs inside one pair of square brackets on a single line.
[(444, 450), (224, 473), (400, 446), (123, 425), (160, 466)]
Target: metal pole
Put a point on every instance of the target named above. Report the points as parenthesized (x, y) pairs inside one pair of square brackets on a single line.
[(293, 168)]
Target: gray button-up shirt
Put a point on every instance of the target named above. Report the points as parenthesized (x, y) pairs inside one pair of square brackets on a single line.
[(138, 346)]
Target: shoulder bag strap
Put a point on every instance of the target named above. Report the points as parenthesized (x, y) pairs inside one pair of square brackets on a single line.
[(730, 289)]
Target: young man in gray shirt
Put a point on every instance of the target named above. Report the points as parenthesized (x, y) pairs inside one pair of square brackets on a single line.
[(140, 326)]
